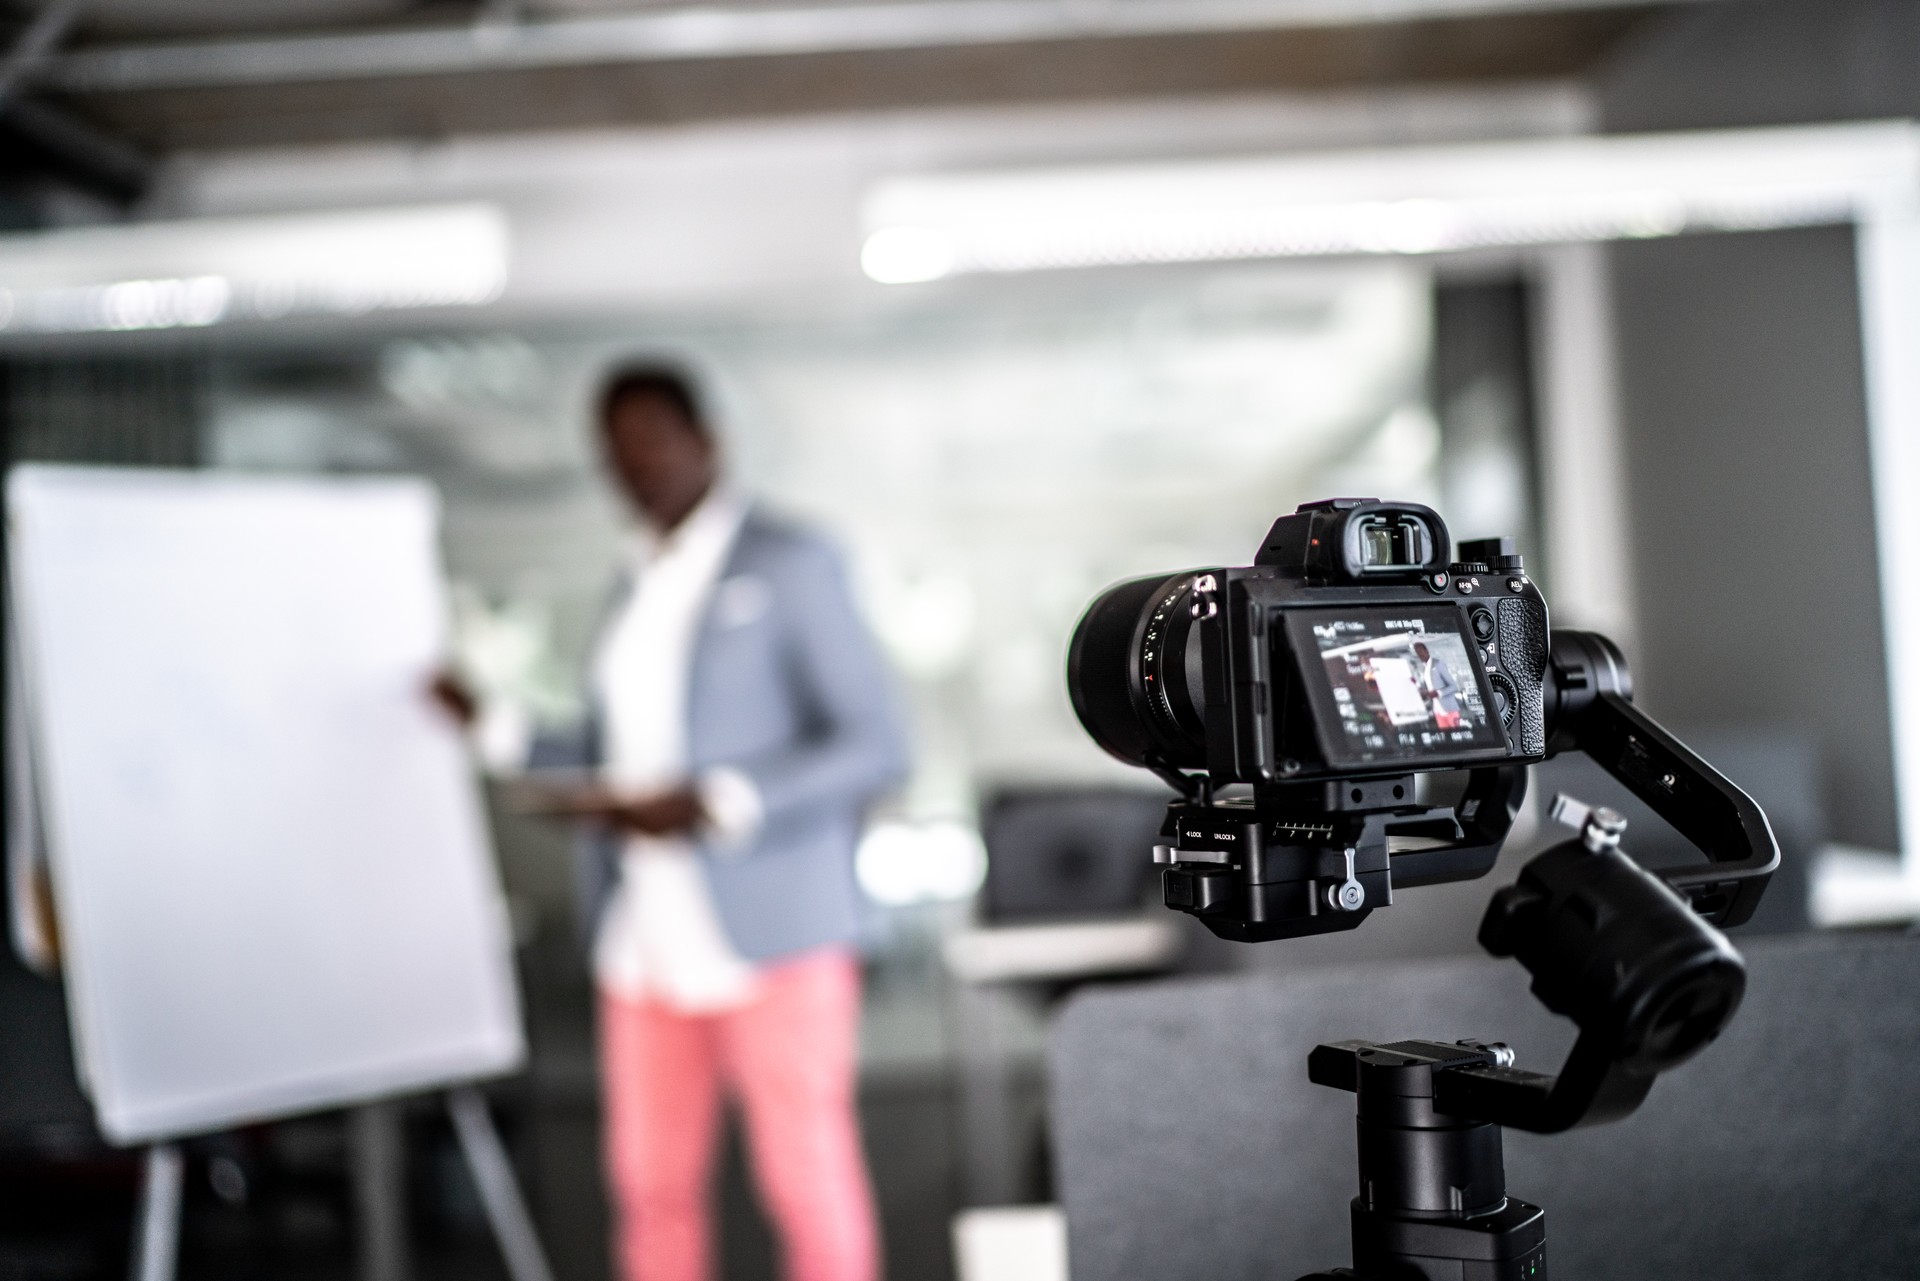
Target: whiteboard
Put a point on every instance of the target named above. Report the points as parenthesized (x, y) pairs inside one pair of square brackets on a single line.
[(275, 891)]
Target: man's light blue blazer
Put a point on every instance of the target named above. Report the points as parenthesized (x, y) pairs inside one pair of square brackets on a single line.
[(787, 687)]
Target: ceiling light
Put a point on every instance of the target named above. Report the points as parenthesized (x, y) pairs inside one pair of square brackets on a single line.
[(211, 271), (1407, 201)]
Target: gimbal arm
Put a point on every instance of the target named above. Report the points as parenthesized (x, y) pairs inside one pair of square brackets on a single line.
[(1589, 710), (1631, 957)]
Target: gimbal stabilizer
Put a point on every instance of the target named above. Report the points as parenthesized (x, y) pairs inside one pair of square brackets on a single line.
[(1632, 957), (1353, 660)]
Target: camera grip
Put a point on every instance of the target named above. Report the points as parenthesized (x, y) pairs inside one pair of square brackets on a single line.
[(1523, 654)]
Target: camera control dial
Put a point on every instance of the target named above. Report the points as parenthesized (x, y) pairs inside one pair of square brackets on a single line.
[(1504, 697)]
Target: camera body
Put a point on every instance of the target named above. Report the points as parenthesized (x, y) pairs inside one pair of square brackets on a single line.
[(1353, 654), (1353, 659), (1354, 647)]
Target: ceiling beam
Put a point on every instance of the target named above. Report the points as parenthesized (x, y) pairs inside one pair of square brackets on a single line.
[(684, 33), (43, 138), (32, 47), (36, 136)]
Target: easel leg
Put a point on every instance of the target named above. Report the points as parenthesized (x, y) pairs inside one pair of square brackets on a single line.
[(157, 1241), (499, 1194)]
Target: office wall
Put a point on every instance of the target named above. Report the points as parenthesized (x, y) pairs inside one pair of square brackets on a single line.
[(1743, 405), (1752, 520), (1766, 62)]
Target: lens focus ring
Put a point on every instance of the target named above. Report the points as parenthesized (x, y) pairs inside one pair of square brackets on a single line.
[(1164, 634)]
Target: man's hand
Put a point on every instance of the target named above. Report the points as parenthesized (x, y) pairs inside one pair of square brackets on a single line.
[(671, 813), (454, 698), (675, 812)]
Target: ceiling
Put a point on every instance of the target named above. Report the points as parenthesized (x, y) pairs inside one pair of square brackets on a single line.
[(169, 74)]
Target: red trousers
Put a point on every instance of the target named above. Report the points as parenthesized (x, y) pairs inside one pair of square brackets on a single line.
[(788, 1060)]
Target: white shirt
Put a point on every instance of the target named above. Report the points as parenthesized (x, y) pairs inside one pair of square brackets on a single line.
[(660, 935)]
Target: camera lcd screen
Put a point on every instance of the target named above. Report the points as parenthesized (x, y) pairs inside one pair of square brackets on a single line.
[(1394, 683)]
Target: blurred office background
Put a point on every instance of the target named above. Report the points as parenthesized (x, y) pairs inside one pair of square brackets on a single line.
[(350, 236)]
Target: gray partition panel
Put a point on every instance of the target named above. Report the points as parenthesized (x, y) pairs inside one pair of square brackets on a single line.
[(1190, 1144)]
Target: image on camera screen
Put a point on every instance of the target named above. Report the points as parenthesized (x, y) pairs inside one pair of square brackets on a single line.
[(1402, 685)]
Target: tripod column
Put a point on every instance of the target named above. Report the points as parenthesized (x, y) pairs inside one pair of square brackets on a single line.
[(1432, 1201), (1414, 1162)]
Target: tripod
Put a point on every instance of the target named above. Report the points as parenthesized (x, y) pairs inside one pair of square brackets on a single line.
[(1649, 984), (1433, 1198), (1633, 958)]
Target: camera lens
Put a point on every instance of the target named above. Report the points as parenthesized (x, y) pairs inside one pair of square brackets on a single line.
[(1134, 673)]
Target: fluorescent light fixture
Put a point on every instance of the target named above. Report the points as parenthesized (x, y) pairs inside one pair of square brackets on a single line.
[(907, 255), (210, 271), (1405, 201)]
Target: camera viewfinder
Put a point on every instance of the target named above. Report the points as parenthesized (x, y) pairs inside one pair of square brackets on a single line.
[(1391, 542)]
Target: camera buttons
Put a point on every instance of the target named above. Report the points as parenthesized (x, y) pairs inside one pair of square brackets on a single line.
[(1505, 698), (1438, 581)]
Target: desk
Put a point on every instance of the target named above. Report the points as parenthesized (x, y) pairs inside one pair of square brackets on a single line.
[(986, 964)]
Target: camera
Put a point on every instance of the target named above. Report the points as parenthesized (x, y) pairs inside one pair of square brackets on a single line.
[(1353, 714), (1352, 647)]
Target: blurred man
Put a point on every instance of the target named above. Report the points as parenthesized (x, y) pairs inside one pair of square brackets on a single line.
[(1441, 686), (741, 724)]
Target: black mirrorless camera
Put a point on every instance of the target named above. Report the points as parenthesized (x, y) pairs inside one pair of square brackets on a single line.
[(1354, 714), (1354, 646), (1352, 654)]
